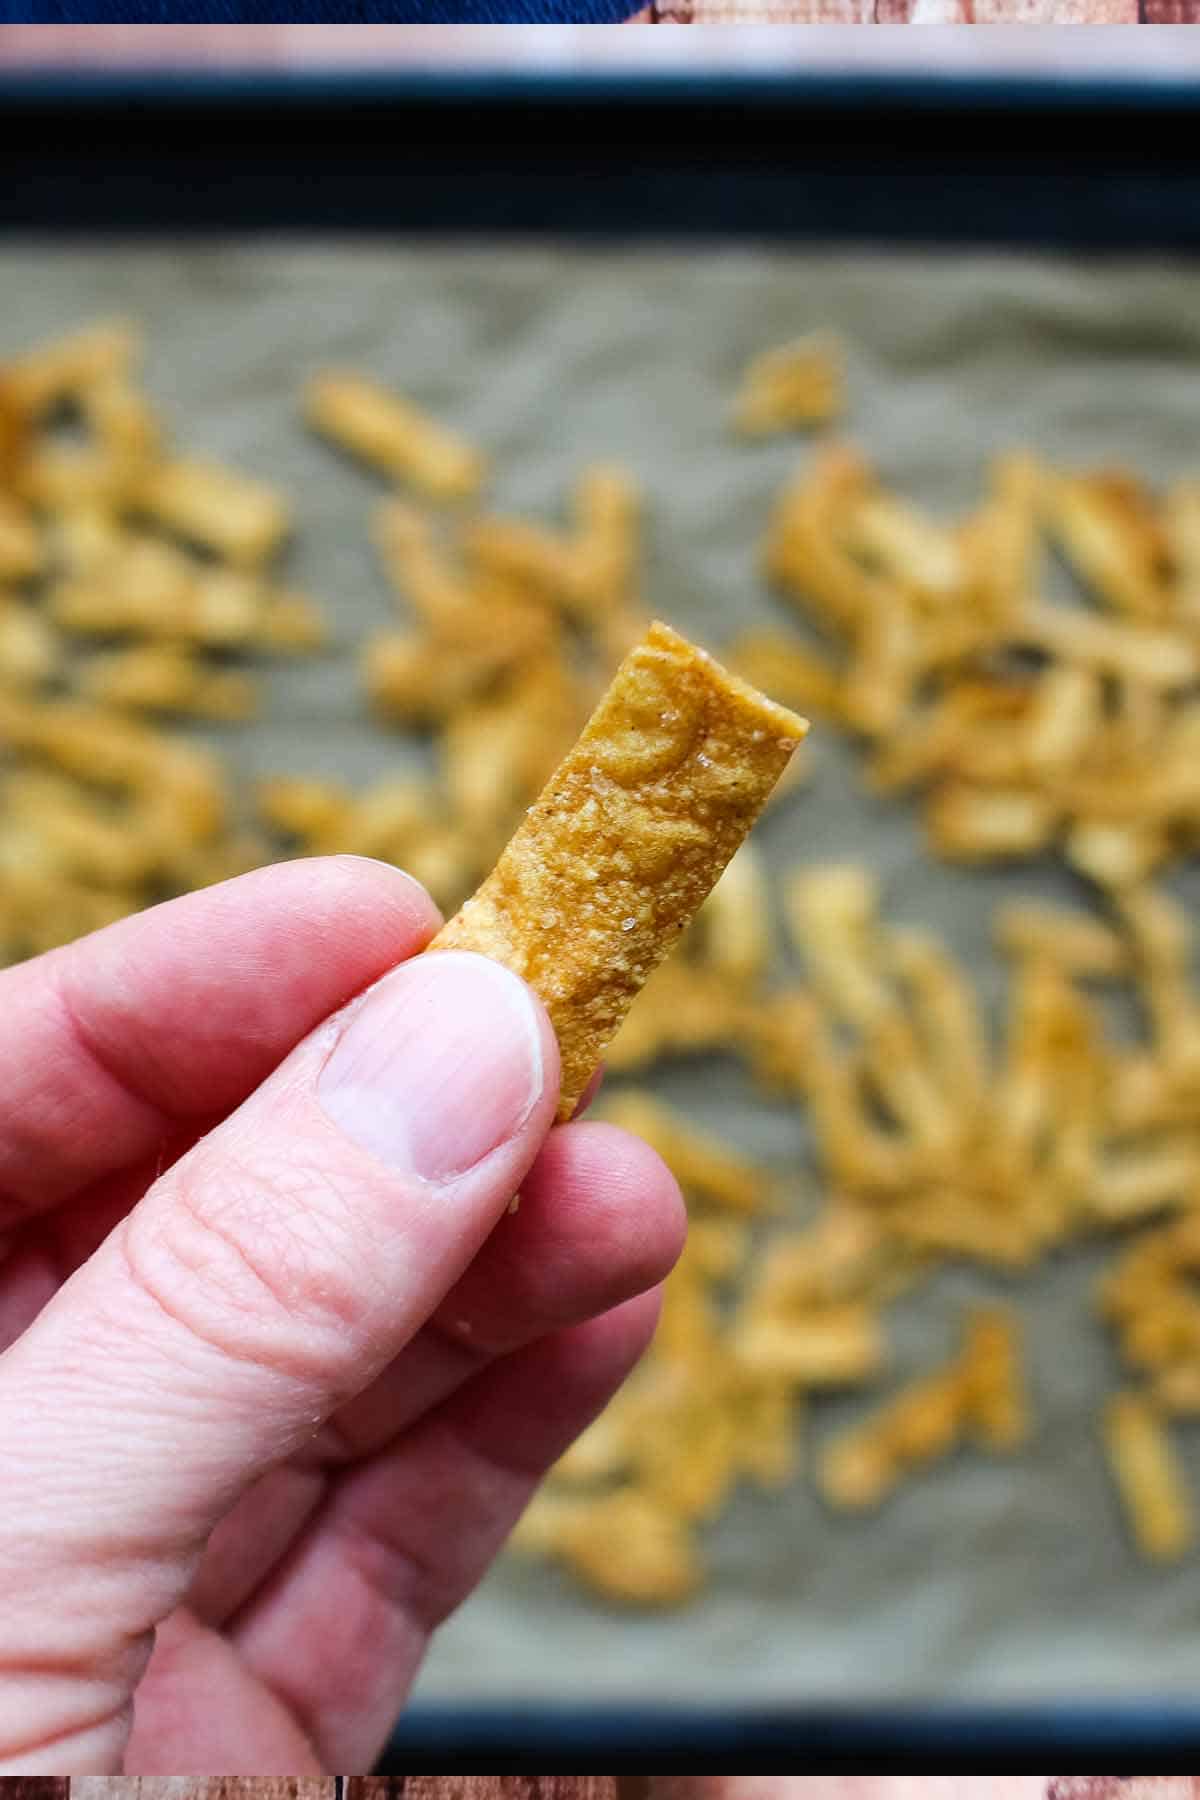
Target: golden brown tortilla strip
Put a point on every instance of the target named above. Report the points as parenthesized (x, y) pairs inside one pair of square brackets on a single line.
[(68, 366), (626, 840), (382, 428), (241, 520)]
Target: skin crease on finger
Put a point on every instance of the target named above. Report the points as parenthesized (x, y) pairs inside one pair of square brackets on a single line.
[(337, 1635), (601, 1219)]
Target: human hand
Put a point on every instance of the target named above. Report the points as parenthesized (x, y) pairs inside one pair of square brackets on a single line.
[(279, 1369)]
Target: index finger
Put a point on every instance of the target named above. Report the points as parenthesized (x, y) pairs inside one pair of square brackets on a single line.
[(179, 1012)]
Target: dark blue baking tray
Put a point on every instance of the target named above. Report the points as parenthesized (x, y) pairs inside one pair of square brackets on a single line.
[(1089, 166), (1104, 166)]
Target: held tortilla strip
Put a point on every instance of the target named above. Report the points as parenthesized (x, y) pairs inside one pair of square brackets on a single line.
[(626, 840)]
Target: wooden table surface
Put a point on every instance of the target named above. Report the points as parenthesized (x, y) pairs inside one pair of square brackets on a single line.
[(1008, 43), (603, 1787)]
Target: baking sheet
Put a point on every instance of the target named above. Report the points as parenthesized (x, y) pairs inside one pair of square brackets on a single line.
[(981, 1581)]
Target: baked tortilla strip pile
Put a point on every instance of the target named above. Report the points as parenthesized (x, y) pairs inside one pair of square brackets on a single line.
[(626, 840)]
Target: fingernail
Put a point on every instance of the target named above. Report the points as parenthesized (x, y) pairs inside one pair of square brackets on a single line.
[(441, 1064)]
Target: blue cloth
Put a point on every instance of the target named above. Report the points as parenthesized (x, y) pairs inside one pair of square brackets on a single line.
[(297, 12)]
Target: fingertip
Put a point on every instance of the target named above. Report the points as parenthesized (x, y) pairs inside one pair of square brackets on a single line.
[(191, 1003), (633, 1324), (600, 1221), (401, 888), (620, 1197), (646, 1171)]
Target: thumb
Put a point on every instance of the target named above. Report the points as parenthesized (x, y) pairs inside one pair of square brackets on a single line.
[(267, 1276)]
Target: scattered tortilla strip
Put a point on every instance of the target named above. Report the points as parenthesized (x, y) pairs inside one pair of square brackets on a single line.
[(825, 1346), (731, 934), (242, 520), (1107, 528), (30, 648), (787, 671), (1149, 1477), (393, 435), (165, 678), (1159, 658), (977, 1390), (627, 1546), (606, 507), (898, 539), (20, 544), (686, 1009), (531, 557), (1075, 941), (1181, 529), (1028, 725), (627, 840), (416, 565), (995, 1403), (418, 677), (796, 384), (67, 367)]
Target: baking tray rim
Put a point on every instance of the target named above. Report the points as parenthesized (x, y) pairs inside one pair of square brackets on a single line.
[(925, 1738), (859, 1735), (245, 86)]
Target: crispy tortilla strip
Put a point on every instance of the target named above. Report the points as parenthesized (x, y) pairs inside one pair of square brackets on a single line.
[(69, 366), (20, 546), (240, 520), (1149, 1477), (626, 840), (382, 428), (794, 384), (167, 678)]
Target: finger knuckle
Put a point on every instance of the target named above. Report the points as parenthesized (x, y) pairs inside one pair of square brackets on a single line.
[(258, 1265)]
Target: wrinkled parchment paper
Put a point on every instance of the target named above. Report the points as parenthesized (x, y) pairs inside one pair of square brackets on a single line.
[(981, 1580)]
